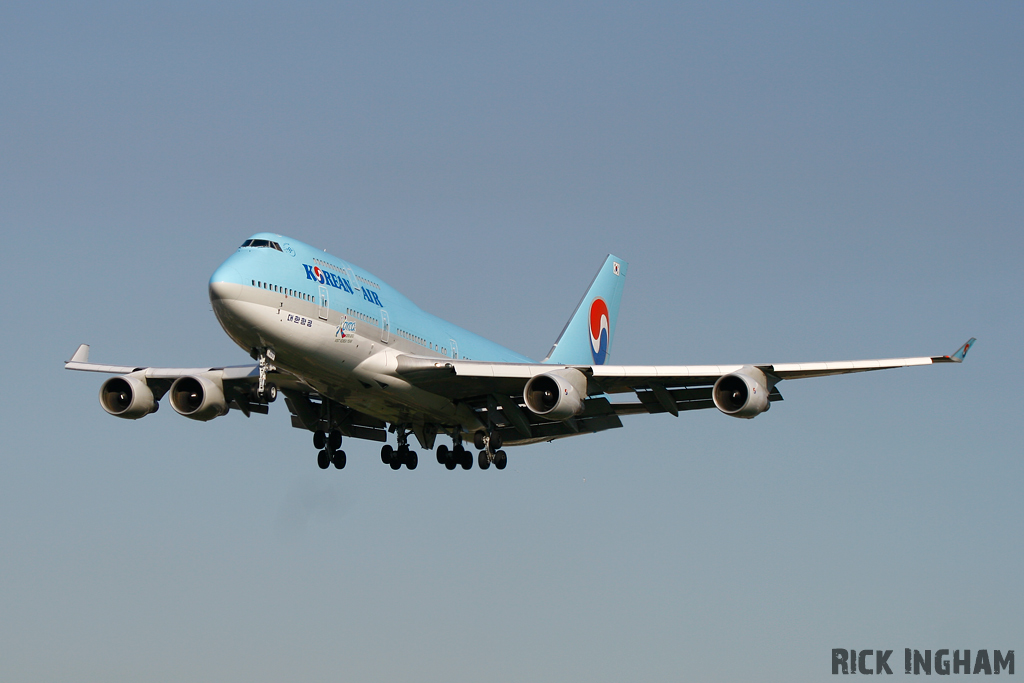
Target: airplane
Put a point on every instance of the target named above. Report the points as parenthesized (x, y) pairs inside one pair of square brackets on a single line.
[(355, 358)]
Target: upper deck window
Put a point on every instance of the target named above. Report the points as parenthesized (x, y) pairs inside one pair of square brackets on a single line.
[(262, 243)]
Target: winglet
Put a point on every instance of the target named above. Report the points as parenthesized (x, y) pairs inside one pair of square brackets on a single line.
[(82, 354), (961, 353), (958, 356)]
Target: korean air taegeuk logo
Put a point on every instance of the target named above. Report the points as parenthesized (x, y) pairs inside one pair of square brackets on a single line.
[(599, 330)]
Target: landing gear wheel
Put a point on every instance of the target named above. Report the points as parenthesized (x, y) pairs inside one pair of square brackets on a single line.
[(400, 457), (319, 439), (412, 460), (334, 440), (500, 460), (268, 394), (323, 459), (495, 440), (467, 460), (442, 454), (386, 454), (340, 460), (478, 440), (483, 460), (450, 464)]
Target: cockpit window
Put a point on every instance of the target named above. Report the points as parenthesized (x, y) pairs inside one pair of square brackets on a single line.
[(262, 243)]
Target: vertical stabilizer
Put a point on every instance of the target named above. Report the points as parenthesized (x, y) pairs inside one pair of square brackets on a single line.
[(587, 337)]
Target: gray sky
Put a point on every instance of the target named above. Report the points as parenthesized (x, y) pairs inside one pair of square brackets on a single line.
[(788, 183)]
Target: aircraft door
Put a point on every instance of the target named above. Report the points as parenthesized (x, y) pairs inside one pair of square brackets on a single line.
[(324, 304), (455, 348), (385, 326)]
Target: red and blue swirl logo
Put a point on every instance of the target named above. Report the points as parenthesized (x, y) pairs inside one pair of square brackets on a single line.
[(599, 330)]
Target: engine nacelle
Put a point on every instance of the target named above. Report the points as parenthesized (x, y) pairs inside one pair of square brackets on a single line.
[(557, 395), (743, 393), (198, 398), (127, 397)]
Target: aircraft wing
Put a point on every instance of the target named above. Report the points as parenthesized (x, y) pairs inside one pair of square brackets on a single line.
[(497, 388), (237, 380), (304, 403)]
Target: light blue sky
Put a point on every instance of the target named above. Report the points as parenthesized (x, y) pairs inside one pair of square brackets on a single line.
[(796, 182)]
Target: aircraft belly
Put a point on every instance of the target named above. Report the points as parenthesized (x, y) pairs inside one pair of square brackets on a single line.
[(348, 367), (372, 388)]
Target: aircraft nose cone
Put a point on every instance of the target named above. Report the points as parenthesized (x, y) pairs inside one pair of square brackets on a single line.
[(225, 284)]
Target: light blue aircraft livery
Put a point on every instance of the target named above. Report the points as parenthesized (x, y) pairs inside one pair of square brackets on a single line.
[(355, 358)]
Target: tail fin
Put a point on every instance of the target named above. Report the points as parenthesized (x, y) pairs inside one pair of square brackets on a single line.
[(587, 337)]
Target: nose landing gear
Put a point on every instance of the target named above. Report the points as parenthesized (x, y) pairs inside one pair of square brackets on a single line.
[(265, 392)]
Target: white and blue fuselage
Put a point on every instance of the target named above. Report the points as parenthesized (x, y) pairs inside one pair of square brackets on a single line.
[(339, 327)]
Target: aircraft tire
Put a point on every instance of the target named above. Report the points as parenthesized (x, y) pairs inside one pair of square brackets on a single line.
[(412, 460), (319, 439), (467, 460), (386, 454), (323, 459), (478, 440), (395, 464), (334, 440), (442, 454), (500, 460), (339, 460), (495, 440), (483, 460), (451, 464)]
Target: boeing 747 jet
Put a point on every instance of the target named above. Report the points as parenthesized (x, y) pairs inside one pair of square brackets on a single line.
[(356, 359)]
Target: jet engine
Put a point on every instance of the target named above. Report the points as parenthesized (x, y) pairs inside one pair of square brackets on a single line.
[(198, 398), (127, 397), (557, 395), (743, 393)]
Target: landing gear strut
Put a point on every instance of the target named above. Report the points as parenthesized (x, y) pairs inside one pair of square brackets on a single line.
[(266, 392), (488, 444)]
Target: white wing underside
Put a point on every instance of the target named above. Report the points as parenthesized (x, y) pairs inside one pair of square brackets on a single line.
[(496, 389), (624, 378)]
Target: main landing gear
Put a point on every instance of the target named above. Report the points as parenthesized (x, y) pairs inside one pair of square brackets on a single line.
[(329, 445), (460, 456), (403, 455), (499, 458), (489, 445), (452, 458)]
